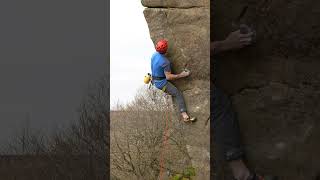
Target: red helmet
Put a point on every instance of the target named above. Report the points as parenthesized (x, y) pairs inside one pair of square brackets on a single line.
[(162, 46)]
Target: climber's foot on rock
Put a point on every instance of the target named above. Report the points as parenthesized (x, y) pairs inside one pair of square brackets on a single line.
[(192, 119), (187, 118)]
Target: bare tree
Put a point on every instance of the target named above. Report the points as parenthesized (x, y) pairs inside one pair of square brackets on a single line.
[(27, 141), (89, 136), (137, 132)]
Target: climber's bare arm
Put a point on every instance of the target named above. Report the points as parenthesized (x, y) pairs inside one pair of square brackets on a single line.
[(235, 40), (170, 76)]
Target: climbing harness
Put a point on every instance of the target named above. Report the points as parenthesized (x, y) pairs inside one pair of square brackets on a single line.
[(148, 79)]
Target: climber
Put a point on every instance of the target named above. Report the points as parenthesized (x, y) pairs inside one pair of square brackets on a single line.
[(225, 126), (161, 75)]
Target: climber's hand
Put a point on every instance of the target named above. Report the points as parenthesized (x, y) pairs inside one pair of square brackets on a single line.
[(237, 40), (185, 73)]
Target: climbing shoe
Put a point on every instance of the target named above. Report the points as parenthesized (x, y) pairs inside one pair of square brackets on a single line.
[(189, 119)]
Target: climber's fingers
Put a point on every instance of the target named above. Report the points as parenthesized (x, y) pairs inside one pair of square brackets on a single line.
[(246, 40), (247, 35)]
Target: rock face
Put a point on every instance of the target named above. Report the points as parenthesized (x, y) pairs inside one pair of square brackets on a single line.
[(175, 3), (275, 83), (186, 25)]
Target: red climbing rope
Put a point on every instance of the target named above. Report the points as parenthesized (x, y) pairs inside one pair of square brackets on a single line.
[(165, 142)]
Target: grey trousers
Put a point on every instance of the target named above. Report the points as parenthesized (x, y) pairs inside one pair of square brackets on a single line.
[(177, 96), (225, 127)]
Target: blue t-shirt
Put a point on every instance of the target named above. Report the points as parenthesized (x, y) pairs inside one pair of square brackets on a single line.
[(159, 64)]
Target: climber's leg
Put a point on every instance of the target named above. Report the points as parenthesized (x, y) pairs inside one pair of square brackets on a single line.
[(174, 92), (178, 97), (225, 126), (226, 133)]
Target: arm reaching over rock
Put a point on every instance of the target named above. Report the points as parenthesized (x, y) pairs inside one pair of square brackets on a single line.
[(171, 76), (235, 40)]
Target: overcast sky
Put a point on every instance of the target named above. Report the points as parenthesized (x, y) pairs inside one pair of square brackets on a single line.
[(50, 51), (131, 49)]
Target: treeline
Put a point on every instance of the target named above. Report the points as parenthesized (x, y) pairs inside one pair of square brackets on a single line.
[(78, 151)]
